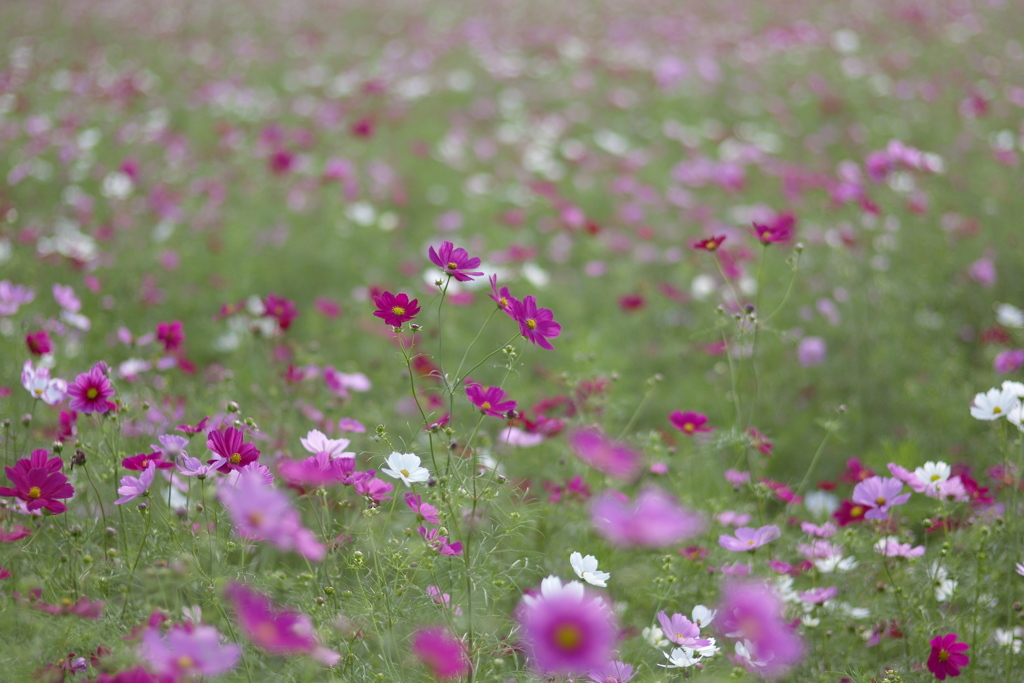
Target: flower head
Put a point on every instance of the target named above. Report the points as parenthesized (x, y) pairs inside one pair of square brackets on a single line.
[(91, 391), (489, 400), (38, 481), (994, 404), (709, 244), (751, 614), (567, 631), (653, 520), (681, 631), (947, 656), (395, 310), (502, 296), (879, 494), (277, 631), (689, 423), (133, 487), (230, 445), (443, 653), (195, 650), (778, 230), (604, 454), (281, 309), (317, 442), (38, 343), (455, 261), (748, 538), (406, 466), (171, 335), (37, 382), (537, 325), (586, 569)]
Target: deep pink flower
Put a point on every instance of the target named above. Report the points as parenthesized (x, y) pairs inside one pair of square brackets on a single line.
[(91, 391), (425, 510), (38, 481), (277, 631), (281, 309), (171, 335), (489, 400), (317, 470), (654, 520), (395, 310), (947, 656), (38, 343), (748, 538), (455, 262), (141, 461), (709, 244), (196, 650), (567, 630), (443, 653), (440, 543), (760, 441), (604, 454), (537, 325), (1009, 361), (751, 614), (230, 444), (17, 533), (502, 296), (778, 230), (689, 423)]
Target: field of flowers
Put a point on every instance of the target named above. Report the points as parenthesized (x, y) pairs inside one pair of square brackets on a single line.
[(511, 340)]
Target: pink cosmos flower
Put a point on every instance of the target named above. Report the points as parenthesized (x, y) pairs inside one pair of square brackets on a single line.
[(281, 309), (489, 400), (440, 543), (13, 296), (38, 481), (751, 614), (567, 631), (826, 530), (891, 547), (264, 513), (38, 383), (502, 296), (138, 463), (171, 335), (1008, 361), (194, 467), (947, 656), (443, 653), (818, 595), (230, 445), (425, 510), (442, 599), (748, 538), (709, 244), (133, 487), (681, 631), (186, 651), (277, 631), (655, 519), (455, 262), (537, 325), (91, 391), (38, 343), (879, 494), (317, 470), (395, 310), (689, 422), (604, 454), (778, 230)]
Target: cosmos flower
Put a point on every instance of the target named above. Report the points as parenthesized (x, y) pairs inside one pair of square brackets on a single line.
[(277, 631), (879, 494), (38, 343), (653, 520), (38, 481), (133, 487), (689, 423), (489, 400), (537, 325), (395, 310), (230, 445), (406, 466), (751, 614), (455, 261), (171, 335), (748, 538), (947, 656), (615, 459), (91, 391), (38, 383), (993, 404), (586, 569), (195, 650), (317, 442), (443, 653)]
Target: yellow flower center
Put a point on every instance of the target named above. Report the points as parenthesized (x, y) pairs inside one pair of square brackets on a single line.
[(712, 246), (531, 323), (34, 492), (452, 265), (943, 655), (765, 235), (486, 405), (265, 633), (879, 501), (236, 458), (185, 662), (997, 410), (688, 427), (39, 391), (856, 511), (255, 518), (405, 473), (503, 302), (568, 637), (398, 310), (936, 477), (92, 393)]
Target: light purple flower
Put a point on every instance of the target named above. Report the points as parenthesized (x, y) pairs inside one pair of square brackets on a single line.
[(194, 467), (752, 614), (133, 487), (748, 538), (37, 382), (891, 547), (811, 351), (187, 651), (13, 296), (654, 520), (604, 454), (817, 596), (879, 494), (65, 297), (681, 630), (317, 442), (1009, 361), (612, 672)]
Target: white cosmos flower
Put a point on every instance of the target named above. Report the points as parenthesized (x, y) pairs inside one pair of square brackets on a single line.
[(702, 616), (994, 404), (654, 637), (680, 658), (406, 466), (1016, 388), (586, 569), (933, 474), (552, 587)]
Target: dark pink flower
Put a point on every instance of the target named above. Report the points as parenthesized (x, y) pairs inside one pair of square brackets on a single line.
[(38, 343), (489, 400), (230, 444), (709, 244), (537, 325), (91, 391), (425, 510), (395, 309), (947, 656), (455, 262), (778, 230), (38, 481), (281, 309), (141, 461), (440, 543), (171, 335), (689, 423), (277, 631), (502, 296), (443, 653)]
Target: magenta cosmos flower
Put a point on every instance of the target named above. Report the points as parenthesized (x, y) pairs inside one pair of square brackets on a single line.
[(604, 454), (489, 400), (277, 631), (91, 391), (455, 262), (751, 614), (655, 519), (947, 656), (567, 630), (264, 513), (879, 494), (171, 335), (38, 343), (38, 481), (747, 538), (231, 445), (188, 651), (280, 309), (395, 309), (689, 422), (536, 324), (442, 652)]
